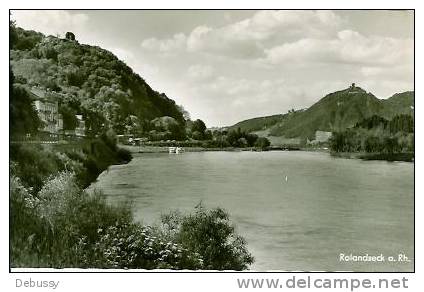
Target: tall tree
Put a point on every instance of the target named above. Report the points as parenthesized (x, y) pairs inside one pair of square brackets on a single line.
[(23, 117)]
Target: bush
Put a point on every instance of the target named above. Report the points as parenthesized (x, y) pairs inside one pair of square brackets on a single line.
[(60, 227), (26, 226), (135, 246), (34, 164), (124, 155), (212, 236)]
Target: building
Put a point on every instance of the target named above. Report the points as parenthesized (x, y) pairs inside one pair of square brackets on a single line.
[(48, 112), (321, 137), (47, 106), (70, 36), (80, 129)]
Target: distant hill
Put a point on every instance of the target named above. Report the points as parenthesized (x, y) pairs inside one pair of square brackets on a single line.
[(257, 124), (335, 111), (88, 80), (399, 103)]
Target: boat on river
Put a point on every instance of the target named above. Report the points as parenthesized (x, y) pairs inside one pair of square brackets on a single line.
[(175, 150)]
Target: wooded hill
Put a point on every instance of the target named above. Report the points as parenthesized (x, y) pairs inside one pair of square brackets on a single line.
[(334, 112), (88, 80)]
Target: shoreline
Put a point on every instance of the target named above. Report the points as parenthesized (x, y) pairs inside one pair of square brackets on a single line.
[(164, 149), (404, 157), (400, 157)]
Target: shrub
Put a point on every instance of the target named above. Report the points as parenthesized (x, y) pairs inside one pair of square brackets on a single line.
[(25, 226), (56, 196), (124, 155), (212, 236), (136, 246), (33, 164), (60, 227)]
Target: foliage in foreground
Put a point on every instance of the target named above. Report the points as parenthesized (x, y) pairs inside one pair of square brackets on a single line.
[(63, 226), (210, 234), (34, 163)]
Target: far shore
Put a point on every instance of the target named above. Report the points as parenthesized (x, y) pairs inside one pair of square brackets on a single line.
[(406, 157), (165, 149)]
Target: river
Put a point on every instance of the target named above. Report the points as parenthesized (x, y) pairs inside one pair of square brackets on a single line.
[(325, 207)]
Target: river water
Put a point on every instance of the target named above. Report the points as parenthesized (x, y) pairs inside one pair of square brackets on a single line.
[(326, 207)]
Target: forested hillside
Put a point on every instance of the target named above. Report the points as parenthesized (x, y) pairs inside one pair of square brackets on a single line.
[(88, 80), (334, 112)]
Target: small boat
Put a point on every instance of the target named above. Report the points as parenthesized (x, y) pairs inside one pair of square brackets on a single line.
[(175, 150)]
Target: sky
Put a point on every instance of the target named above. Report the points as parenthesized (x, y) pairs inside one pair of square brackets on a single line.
[(229, 65)]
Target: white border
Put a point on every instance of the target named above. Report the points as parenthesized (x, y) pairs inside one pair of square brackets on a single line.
[(196, 281)]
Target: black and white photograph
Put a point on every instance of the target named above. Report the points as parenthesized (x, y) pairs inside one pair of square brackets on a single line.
[(212, 140)]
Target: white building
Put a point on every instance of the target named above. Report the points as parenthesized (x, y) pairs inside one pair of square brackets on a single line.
[(48, 112), (80, 129), (321, 137)]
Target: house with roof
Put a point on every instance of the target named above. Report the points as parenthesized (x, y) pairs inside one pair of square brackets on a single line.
[(47, 107)]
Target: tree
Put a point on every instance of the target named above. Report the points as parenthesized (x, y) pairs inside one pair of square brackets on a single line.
[(13, 36), (241, 142), (337, 142), (70, 121), (402, 123), (23, 117), (198, 125), (169, 127), (250, 138), (372, 144), (262, 142), (391, 145), (372, 122), (186, 114)]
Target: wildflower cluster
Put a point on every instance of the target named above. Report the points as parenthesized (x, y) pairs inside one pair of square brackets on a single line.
[(133, 246)]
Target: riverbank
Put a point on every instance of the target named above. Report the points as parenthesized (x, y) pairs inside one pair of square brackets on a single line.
[(35, 163), (165, 149), (405, 157)]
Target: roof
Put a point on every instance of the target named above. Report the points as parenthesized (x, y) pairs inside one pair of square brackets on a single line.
[(41, 94)]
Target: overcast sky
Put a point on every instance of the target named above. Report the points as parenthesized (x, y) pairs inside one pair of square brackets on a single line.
[(226, 66)]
